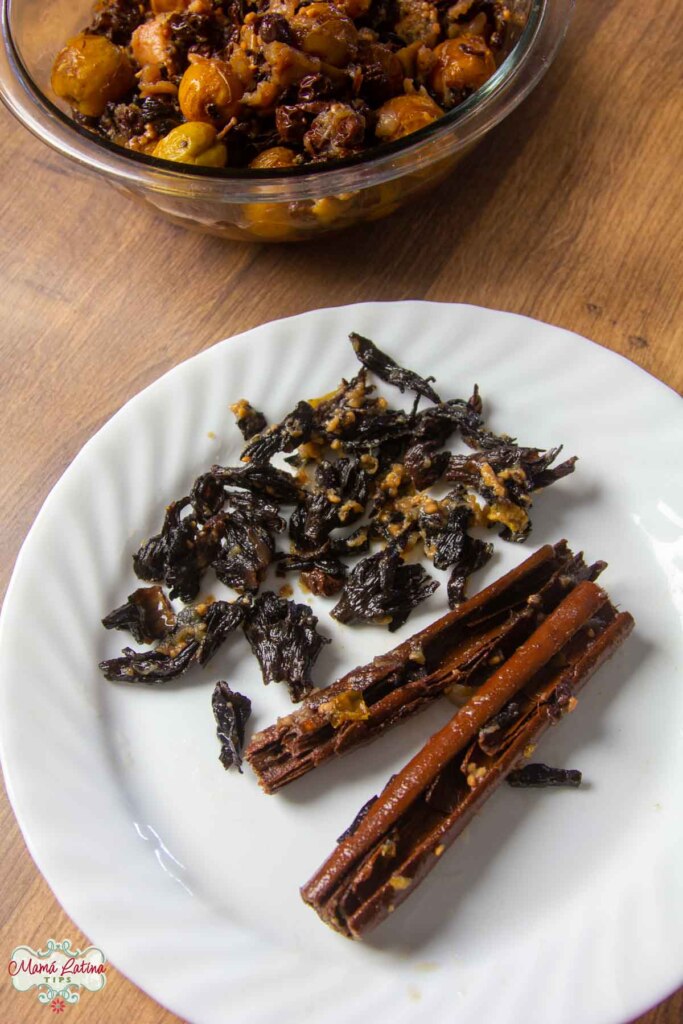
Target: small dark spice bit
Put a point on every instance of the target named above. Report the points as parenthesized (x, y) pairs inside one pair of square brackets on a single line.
[(388, 370), (382, 586), (249, 421), (285, 641), (147, 614), (539, 776), (231, 711), (560, 703)]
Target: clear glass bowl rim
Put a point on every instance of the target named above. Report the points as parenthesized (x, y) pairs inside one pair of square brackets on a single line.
[(456, 131)]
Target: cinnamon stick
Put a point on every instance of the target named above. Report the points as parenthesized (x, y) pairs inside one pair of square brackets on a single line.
[(423, 808)]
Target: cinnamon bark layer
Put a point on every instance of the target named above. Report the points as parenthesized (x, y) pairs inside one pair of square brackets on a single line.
[(457, 649), (422, 809)]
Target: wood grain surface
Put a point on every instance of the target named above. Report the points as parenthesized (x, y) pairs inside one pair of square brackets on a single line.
[(569, 212)]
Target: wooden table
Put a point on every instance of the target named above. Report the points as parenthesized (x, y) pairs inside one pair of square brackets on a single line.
[(568, 213)]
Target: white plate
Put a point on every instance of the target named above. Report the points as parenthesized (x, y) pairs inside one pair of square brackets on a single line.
[(553, 908)]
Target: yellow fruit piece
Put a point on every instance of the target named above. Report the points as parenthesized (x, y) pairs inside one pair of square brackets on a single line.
[(210, 91), (89, 72), (192, 143)]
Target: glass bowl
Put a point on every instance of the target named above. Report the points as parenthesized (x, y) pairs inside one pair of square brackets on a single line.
[(284, 205)]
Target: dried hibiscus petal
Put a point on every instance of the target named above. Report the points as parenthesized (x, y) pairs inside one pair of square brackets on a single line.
[(149, 562), (474, 555), (376, 432), (220, 619), (541, 775), (383, 587), (248, 509), (283, 636), (149, 666), (294, 430), (207, 496), (425, 464), (388, 370), (249, 421), (321, 583), (322, 575), (340, 495), (448, 539), (191, 549), (306, 563), (436, 423), (231, 711), (505, 475), (198, 634), (356, 543), (147, 614), (179, 555), (244, 556), (261, 479)]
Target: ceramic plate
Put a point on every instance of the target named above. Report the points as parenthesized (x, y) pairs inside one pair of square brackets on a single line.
[(554, 907)]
